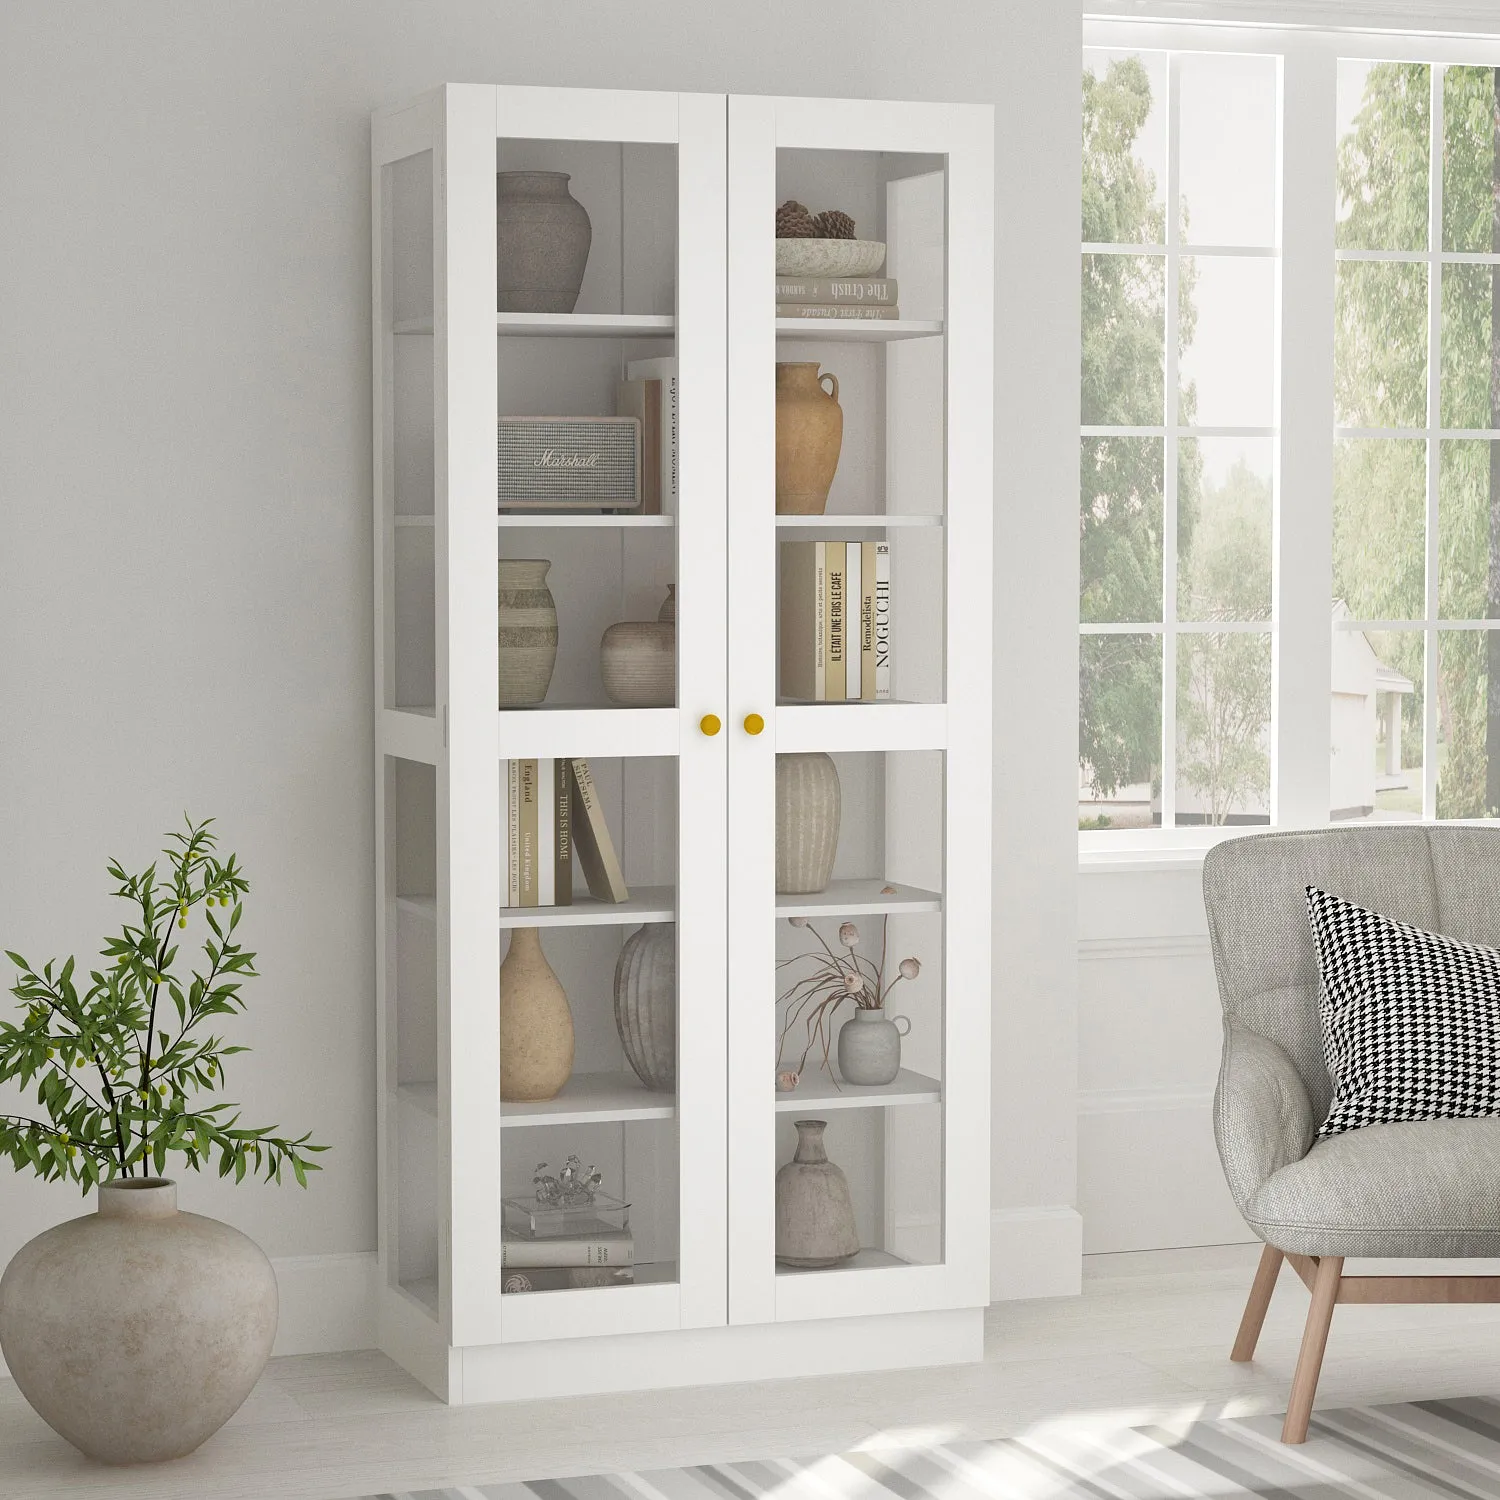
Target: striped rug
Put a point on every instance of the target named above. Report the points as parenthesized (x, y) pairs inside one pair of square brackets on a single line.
[(1424, 1450)]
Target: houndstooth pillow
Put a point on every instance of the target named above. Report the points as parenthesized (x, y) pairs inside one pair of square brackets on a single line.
[(1411, 1019)]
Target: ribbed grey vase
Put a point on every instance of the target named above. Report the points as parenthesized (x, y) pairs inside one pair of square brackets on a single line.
[(814, 1211), (646, 1004), (808, 805), (136, 1332), (542, 238), (528, 631)]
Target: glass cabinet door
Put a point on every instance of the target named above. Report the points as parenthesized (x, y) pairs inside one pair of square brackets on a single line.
[(860, 500), (555, 600)]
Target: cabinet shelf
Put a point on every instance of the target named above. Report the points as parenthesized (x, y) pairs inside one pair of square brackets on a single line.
[(423, 1291), (862, 1260), (421, 1096), (858, 898), (588, 732), (858, 523), (559, 520), (591, 1099), (566, 325), (856, 330), (861, 726), (648, 903), (817, 1092), (572, 519), (647, 1273)]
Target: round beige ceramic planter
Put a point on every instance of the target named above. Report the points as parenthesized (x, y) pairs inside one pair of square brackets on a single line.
[(136, 1332)]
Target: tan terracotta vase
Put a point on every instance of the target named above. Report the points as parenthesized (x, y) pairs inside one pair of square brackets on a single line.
[(809, 436), (536, 1026)]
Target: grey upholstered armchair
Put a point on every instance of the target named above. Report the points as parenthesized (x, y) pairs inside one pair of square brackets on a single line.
[(1428, 1188)]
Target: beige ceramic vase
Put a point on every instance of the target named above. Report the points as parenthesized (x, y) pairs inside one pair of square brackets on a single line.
[(528, 631), (809, 436), (136, 1332), (536, 1026), (809, 804)]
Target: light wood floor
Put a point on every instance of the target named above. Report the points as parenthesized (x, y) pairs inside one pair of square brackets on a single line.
[(1148, 1341)]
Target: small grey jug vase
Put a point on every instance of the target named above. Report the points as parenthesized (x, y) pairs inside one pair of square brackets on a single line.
[(542, 238), (528, 631), (814, 1211), (870, 1047)]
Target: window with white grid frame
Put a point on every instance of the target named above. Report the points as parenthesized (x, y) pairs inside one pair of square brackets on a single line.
[(1416, 500), (1180, 302)]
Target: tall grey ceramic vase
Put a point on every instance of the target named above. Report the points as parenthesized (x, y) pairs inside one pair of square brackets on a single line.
[(646, 1004), (542, 238), (136, 1332), (528, 631), (808, 805), (814, 1212)]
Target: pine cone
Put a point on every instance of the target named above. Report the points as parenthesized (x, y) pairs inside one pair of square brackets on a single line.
[(795, 222), (834, 225)]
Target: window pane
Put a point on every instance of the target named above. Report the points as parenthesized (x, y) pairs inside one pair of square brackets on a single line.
[(1380, 527), (1384, 120), (1471, 149), (1224, 529), (1124, 340), (1228, 310), (1227, 162), (1124, 147), (1223, 729), (1469, 349), (1468, 551), (1119, 730), (1377, 724), (1380, 344), (1120, 536), (1468, 738)]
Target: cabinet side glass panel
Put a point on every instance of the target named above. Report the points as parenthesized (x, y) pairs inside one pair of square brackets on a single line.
[(417, 1141), (407, 440)]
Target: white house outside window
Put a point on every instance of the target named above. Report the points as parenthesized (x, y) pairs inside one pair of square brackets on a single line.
[(1290, 396)]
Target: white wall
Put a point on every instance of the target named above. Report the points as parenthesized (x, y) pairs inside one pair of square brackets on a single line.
[(1148, 1005), (184, 479)]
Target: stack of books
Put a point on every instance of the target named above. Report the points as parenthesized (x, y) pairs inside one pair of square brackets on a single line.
[(548, 809), (833, 297), (836, 621), (649, 393), (603, 1258)]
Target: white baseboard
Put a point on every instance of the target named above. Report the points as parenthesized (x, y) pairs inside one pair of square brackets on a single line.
[(1035, 1252), (327, 1304)]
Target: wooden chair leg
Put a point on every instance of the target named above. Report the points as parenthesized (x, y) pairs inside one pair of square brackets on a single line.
[(1314, 1340), (1255, 1309)]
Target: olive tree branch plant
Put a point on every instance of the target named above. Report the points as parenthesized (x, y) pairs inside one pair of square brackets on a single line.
[(118, 1083)]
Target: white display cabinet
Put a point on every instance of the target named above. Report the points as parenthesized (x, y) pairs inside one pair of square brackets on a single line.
[(681, 192)]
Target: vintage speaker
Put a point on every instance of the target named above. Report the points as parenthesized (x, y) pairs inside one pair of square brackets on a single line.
[(570, 463)]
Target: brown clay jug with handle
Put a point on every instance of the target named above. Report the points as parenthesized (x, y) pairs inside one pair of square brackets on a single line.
[(809, 436)]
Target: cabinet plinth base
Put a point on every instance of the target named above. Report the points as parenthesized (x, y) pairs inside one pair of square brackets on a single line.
[(532, 1370)]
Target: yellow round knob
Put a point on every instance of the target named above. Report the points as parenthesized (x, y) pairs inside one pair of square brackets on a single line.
[(754, 723), (710, 724)]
